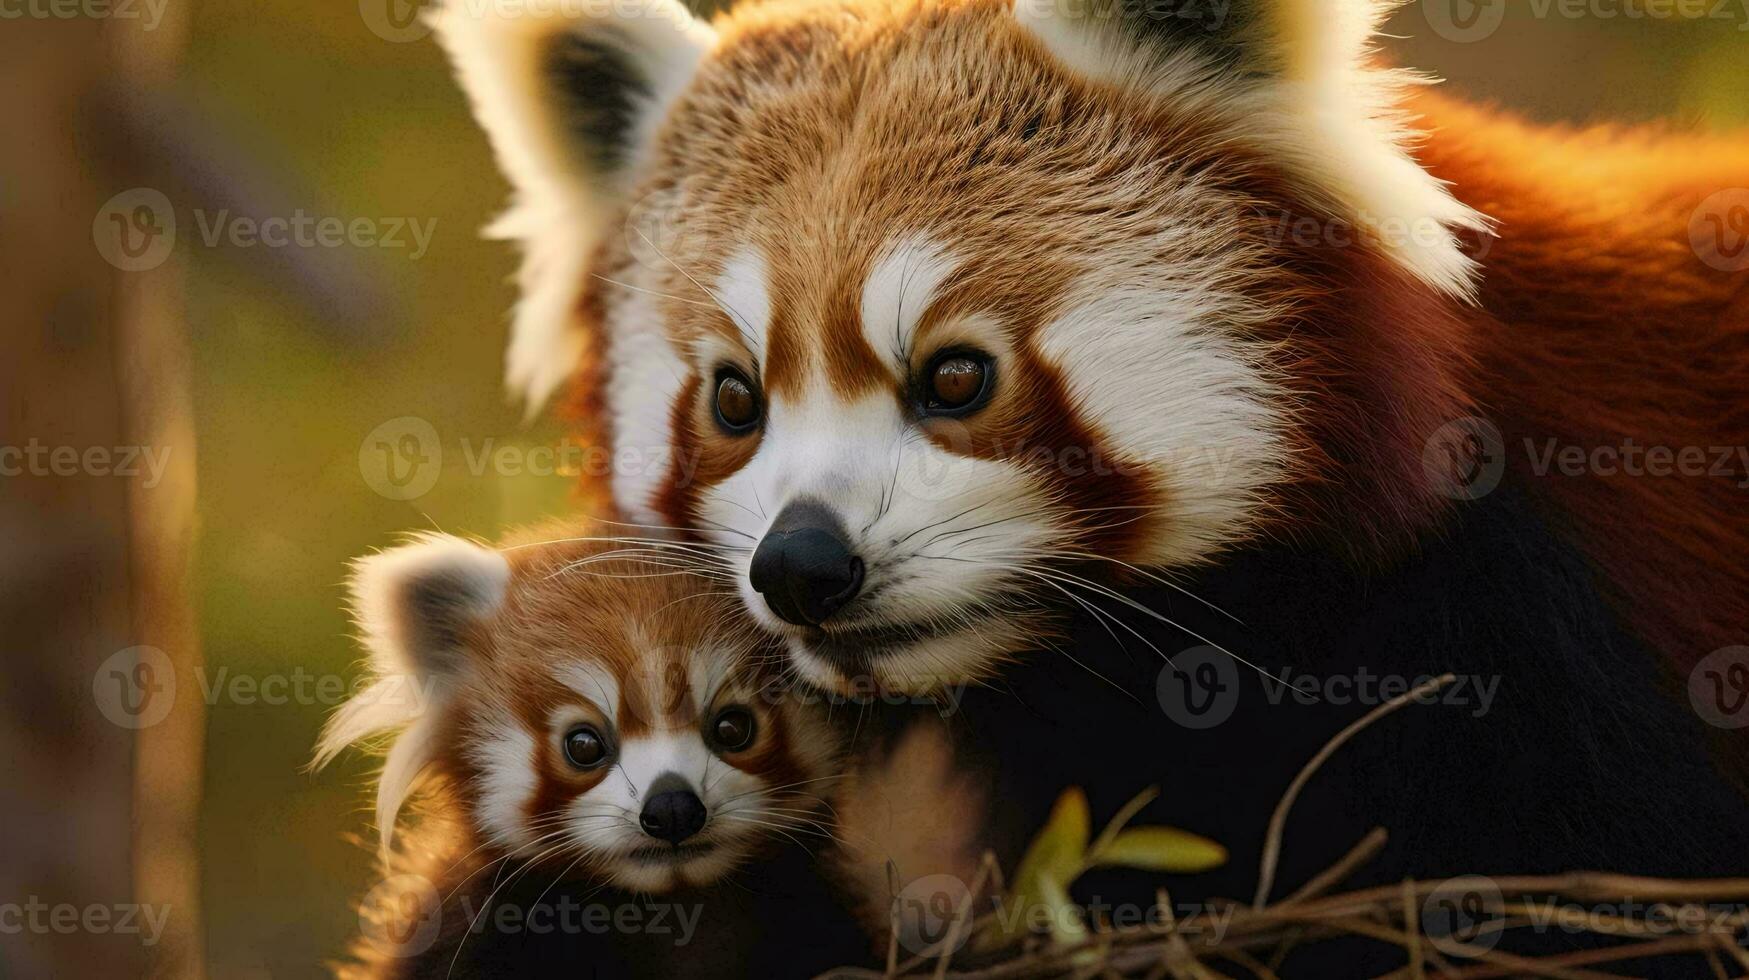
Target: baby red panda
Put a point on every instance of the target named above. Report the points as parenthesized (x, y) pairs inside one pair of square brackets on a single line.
[(602, 761)]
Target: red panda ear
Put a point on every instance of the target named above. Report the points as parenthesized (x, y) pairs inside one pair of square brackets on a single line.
[(570, 95), (412, 603), (1297, 81)]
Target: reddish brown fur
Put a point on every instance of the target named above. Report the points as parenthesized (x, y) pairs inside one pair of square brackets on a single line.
[(1602, 323), (1598, 322)]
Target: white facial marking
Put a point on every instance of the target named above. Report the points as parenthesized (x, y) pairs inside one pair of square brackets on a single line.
[(644, 377), (742, 293), (645, 758), (504, 754), (596, 684), (899, 288), (1209, 431)]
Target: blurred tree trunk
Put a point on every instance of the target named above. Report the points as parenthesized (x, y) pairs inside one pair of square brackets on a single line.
[(99, 740), (156, 382)]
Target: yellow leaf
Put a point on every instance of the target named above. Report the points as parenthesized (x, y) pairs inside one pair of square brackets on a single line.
[(1065, 920), (1061, 846), (1123, 818), (1161, 849), (1058, 853)]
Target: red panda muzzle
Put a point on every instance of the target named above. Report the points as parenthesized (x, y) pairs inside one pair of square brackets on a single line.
[(804, 567)]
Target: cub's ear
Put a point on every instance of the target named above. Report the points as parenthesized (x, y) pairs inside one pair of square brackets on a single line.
[(570, 96), (1294, 79), (412, 604)]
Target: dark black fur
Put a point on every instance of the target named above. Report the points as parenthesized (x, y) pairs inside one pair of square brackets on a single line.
[(598, 90), (518, 923), (1582, 762)]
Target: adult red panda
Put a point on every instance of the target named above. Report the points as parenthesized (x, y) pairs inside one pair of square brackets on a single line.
[(969, 324)]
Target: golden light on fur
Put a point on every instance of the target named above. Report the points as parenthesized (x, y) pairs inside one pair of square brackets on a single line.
[(487, 659)]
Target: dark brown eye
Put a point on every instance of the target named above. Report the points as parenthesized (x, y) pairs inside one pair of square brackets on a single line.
[(584, 747), (957, 383), (733, 729), (737, 405)]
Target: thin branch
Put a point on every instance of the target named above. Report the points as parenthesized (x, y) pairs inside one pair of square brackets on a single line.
[(1278, 822)]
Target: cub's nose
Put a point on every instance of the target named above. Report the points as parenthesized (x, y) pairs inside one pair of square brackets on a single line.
[(672, 814), (804, 567)]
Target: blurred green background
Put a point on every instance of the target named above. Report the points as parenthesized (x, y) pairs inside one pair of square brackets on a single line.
[(346, 123)]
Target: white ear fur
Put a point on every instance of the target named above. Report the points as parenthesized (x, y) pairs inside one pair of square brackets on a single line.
[(1306, 89), (409, 603), (503, 57)]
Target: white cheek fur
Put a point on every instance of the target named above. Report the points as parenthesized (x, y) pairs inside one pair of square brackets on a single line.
[(504, 752), (1209, 430), (644, 377)]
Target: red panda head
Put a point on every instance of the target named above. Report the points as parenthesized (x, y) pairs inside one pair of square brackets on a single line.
[(580, 706), (918, 304)]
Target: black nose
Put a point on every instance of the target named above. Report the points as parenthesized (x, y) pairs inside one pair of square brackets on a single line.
[(673, 815), (804, 567)]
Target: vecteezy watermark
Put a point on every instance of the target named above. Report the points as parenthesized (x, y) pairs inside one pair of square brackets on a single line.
[(403, 916), (135, 231), (1199, 688), (303, 230), (150, 13), (1464, 916), (395, 21), (1281, 227), (670, 674), (403, 458), (939, 469), (1718, 688), (302, 687), (934, 913), (1467, 916), (863, 691), (35, 458), (1468, 21), (135, 688), (1718, 231), (1630, 458), (36, 917), (1363, 687), (926, 911), (1465, 459)]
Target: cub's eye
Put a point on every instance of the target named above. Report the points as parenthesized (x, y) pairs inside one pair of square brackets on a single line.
[(957, 383), (584, 747), (737, 404), (733, 729)]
